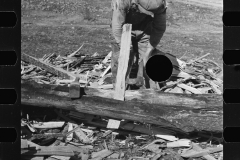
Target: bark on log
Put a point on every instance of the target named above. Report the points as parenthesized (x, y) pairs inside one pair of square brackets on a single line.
[(186, 112)]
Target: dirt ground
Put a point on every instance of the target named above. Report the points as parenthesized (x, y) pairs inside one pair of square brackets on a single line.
[(62, 26)]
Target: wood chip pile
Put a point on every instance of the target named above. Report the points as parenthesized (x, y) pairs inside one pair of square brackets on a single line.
[(198, 76), (75, 136), (65, 138)]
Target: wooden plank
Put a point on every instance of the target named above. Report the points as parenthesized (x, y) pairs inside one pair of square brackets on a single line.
[(191, 89), (123, 62)]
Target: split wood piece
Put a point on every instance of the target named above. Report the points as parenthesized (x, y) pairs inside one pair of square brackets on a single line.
[(31, 144), (49, 151), (50, 68), (47, 57), (48, 125), (105, 71), (107, 57), (198, 148), (182, 74), (65, 81), (75, 148), (45, 82), (82, 136), (38, 77), (198, 59), (123, 62), (204, 90), (32, 157), (70, 128), (166, 109), (176, 90), (218, 82), (214, 87), (167, 137), (101, 154), (74, 53), (83, 146), (28, 70), (179, 143), (191, 89), (60, 158), (26, 144), (152, 144), (203, 152), (174, 84)]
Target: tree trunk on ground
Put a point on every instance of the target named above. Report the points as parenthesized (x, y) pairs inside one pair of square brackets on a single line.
[(185, 112)]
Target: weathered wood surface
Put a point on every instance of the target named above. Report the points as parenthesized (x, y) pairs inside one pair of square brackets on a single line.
[(123, 62), (191, 101), (187, 112)]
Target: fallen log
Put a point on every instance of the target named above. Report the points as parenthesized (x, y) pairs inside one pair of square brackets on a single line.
[(193, 101), (185, 112)]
